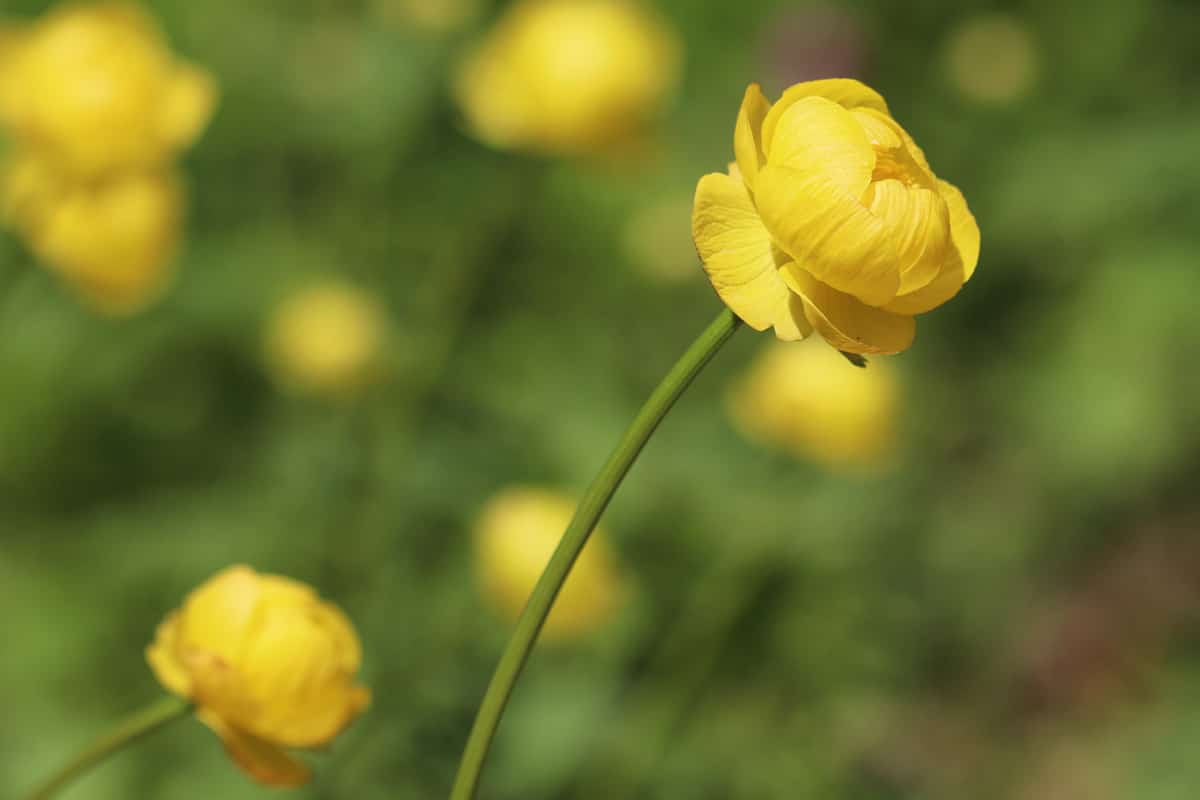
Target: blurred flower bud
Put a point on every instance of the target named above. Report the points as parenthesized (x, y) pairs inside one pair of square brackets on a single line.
[(112, 240), (95, 88), (805, 398), (514, 538), (325, 338), (268, 664), (992, 59), (568, 76)]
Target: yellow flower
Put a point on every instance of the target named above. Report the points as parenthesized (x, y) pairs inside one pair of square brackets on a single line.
[(325, 338), (568, 76), (95, 88), (810, 401), (112, 240), (832, 220), (514, 538), (268, 664)]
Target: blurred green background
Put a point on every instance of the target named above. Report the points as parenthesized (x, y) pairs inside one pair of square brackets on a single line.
[(1007, 610)]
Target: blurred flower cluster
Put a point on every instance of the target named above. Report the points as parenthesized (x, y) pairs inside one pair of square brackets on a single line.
[(569, 76), (268, 665), (98, 110)]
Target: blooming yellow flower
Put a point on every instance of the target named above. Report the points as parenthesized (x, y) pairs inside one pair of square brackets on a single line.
[(267, 663), (112, 240), (325, 337), (95, 88), (832, 220), (514, 538), (568, 76), (808, 400)]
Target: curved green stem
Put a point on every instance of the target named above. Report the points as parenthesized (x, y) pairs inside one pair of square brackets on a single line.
[(594, 501), (129, 730)]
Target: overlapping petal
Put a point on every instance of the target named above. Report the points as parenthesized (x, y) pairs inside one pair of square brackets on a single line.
[(828, 231), (919, 225), (962, 226), (738, 255), (747, 134), (846, 92), (260, 759), (847, 323)]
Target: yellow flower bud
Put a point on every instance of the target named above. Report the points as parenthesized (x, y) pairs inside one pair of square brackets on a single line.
[(112, 240), (325, 338), (807, 399), (831, 220), (96, 89), (568, 76), (514, 538), (268, 664)]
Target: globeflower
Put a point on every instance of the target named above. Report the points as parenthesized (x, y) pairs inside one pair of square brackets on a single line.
[(96, 89), (568, 76), (325, 337), (112, 241), (831, 220), (268, 665), (807, 400), (515, 535)]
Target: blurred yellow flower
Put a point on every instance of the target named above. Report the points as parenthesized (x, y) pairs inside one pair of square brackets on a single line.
[(325, 338), (807, 399), (267, 663), (568, 76), (95, 88), (831, 219), (992, 59), (515, 536), (111, 240)]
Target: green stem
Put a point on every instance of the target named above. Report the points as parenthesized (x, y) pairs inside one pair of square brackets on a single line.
[(594, 501), (129, 730)]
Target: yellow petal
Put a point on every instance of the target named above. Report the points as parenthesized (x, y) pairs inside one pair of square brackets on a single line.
[(845, 92), (218, 615), (294, 670), (189, 104), (829, 231), (737, 251), (947, 284), (963, 227), (794, 326), (846, 323), (747, 142), (261, 760), (163, 660), (818, 133), (896, 154), (920, 226)]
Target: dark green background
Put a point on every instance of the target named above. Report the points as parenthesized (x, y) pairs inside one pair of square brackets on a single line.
[(1008, 612)]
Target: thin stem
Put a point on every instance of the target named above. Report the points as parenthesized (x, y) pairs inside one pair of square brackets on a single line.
[(129, 730), (594, 501)]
